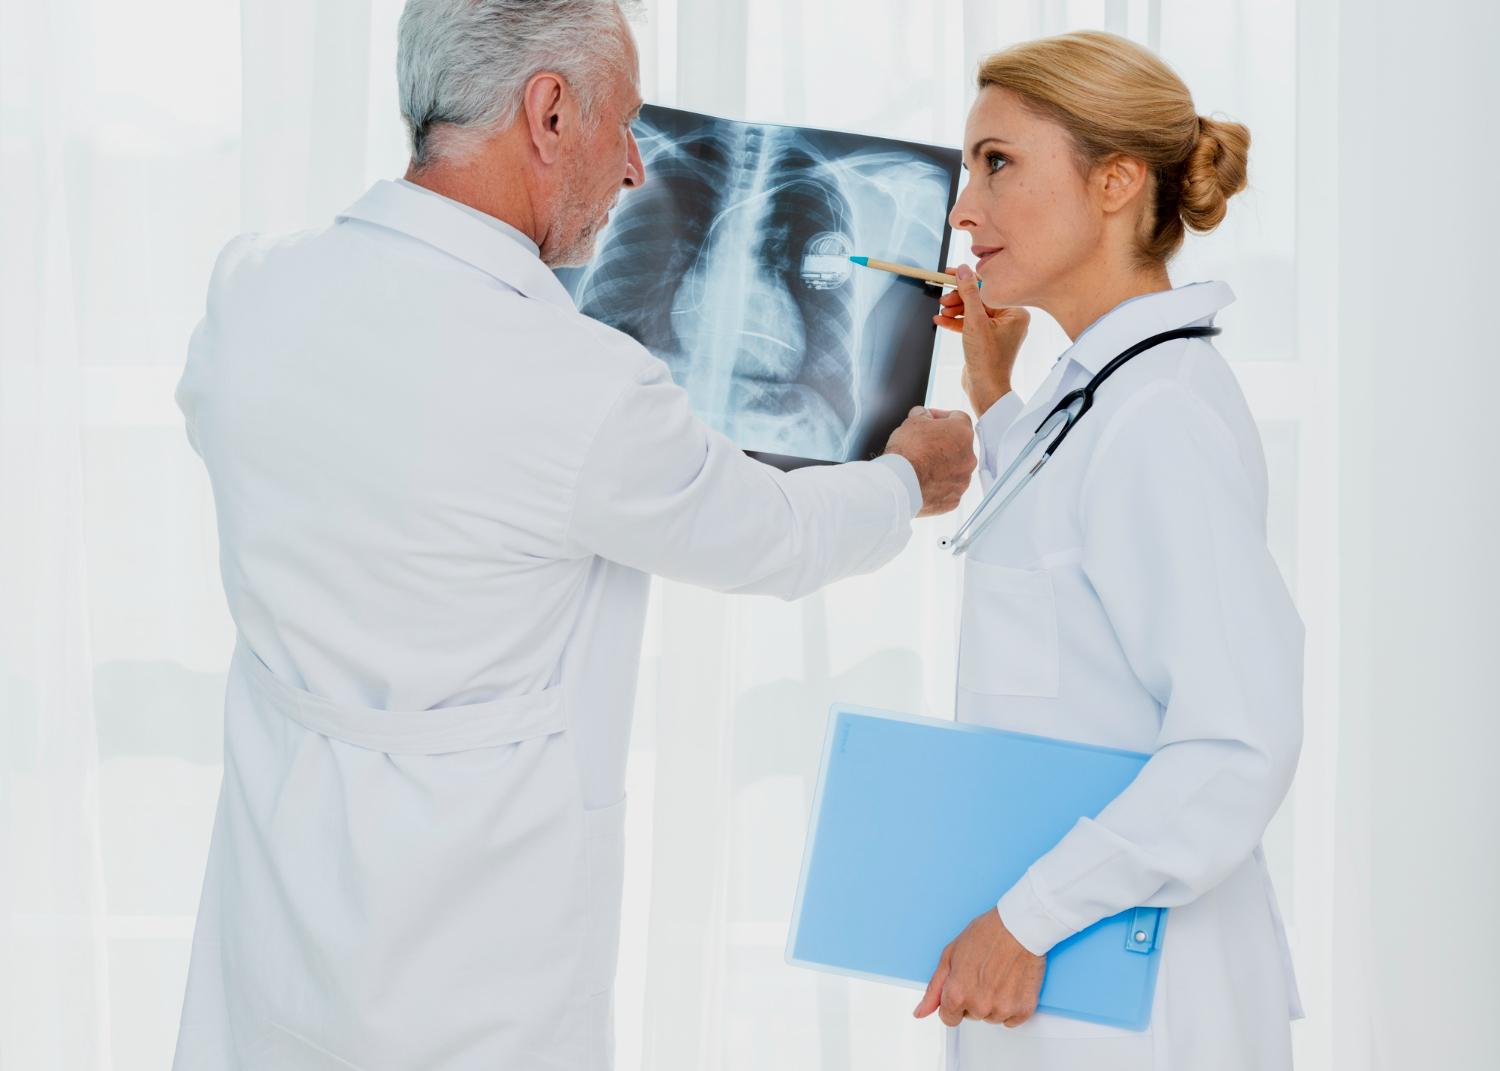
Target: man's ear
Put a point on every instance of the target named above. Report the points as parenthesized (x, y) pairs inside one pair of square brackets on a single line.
[(1120, 179), (546, 104)]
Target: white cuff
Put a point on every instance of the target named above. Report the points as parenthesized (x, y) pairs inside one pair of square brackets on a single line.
[(902, 468), (1028, 920)]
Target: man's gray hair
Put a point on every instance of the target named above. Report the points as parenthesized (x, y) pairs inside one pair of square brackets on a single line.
[(461, 65)]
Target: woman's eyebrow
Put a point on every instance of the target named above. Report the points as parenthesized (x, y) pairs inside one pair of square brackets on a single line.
[(982, 142)]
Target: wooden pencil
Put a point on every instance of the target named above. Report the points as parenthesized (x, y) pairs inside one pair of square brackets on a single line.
[(936, 277)]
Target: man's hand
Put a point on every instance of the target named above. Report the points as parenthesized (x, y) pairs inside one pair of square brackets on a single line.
[(939, 443), (984, 974), (992, 337)]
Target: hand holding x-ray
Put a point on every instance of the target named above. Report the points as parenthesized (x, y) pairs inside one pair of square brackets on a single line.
[(939, 443)]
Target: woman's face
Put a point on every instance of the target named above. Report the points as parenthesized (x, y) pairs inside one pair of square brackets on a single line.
[(1026, 205)]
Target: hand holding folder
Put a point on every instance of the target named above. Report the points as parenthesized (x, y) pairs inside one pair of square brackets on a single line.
[(985, 973), (890, 875)]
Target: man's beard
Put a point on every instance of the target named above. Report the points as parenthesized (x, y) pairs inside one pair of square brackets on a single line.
[(578, 249)]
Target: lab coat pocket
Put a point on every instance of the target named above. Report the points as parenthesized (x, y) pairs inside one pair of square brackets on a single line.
[(1008, 644), (605, 832)]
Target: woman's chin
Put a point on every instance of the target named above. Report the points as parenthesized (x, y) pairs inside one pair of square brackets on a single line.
[(997, 289)]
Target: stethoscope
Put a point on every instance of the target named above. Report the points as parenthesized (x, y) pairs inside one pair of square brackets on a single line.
[(1065, 414)]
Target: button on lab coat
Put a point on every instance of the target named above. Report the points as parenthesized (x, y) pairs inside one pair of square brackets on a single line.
[(1127, 598), (440, 492)]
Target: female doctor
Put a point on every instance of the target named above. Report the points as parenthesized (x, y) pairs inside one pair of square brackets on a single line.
[(1125, 596)]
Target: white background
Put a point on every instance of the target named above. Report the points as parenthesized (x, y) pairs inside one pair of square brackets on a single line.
[(135, 139)]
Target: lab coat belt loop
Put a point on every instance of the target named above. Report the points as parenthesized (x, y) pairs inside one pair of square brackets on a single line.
[(507, 720)]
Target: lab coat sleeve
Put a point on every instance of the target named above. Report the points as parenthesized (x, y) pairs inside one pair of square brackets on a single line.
[(187, 392), (190, 388), (1174, 544), (992, 424), (662, 492)]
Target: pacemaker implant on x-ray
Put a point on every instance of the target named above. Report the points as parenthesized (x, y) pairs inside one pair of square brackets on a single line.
[(732, 265)]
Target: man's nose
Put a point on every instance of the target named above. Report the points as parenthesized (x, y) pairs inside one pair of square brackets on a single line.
[(635, 167)]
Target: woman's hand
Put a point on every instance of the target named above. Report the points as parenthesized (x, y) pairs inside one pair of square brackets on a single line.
[(992, 337), (984, 974)]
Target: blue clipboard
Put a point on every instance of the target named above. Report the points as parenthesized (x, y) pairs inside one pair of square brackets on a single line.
[(891, 874)]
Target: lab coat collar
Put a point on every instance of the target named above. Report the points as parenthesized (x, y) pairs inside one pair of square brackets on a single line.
[(1141, 317), (445, 226)]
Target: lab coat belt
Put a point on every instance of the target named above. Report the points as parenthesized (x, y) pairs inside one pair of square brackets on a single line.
[(507, 720)]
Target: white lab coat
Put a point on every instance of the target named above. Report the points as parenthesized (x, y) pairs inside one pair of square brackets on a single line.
[(1127, 598), (440, 491)]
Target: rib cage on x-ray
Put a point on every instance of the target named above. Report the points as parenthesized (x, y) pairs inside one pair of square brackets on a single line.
[(731, 264)]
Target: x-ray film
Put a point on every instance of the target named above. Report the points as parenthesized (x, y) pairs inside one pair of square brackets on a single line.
[(731, 264)]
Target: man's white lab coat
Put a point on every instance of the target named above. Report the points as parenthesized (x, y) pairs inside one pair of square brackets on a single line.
[(1127, 598), (440, 494)]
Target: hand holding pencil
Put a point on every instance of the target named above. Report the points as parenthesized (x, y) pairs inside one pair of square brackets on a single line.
[(992, 337)]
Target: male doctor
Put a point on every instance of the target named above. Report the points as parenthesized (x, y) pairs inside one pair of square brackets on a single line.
[(441, 492)]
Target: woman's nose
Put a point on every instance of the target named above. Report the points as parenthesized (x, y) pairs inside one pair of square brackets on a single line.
[(963, 217)]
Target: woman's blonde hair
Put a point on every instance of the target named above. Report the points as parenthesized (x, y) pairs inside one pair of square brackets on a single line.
[(1115, 97)]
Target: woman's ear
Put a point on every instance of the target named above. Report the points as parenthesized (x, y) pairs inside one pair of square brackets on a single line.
[(1119, 180)]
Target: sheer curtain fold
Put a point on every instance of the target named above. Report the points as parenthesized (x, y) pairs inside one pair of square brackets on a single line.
[(307, 92), (54, 969)]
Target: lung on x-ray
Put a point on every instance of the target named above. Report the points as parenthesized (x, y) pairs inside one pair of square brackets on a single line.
[(731, 264)]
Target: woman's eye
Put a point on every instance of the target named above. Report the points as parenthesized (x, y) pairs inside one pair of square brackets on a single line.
[(994, 161)]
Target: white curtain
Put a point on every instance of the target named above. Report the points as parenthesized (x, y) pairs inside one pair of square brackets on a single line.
[(135, 139)]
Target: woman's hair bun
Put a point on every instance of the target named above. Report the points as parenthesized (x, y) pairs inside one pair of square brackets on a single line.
[(1215, 171)]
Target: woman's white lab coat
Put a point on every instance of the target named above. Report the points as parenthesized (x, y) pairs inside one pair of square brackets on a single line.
[(1127, 598), (440, 491)]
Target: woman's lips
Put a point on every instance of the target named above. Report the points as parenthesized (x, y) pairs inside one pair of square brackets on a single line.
[(984, 253)]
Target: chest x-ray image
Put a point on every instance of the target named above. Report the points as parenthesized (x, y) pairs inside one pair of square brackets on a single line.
[(731, 264)]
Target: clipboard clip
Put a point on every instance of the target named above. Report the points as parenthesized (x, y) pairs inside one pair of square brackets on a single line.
[(1144, 924)]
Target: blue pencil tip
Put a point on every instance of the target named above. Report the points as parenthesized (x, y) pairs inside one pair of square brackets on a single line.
[(862, 261)]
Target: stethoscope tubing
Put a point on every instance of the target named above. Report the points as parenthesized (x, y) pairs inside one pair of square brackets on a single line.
[(1069, 411)]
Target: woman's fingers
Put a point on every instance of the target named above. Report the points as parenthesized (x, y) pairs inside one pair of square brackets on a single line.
[(931, 999), (968, 292), (950, 312)]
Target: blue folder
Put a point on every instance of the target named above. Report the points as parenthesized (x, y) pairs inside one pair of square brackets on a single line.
[(920, 825)]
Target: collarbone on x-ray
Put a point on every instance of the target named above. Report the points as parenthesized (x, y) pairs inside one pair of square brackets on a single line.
[(731, 264)]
